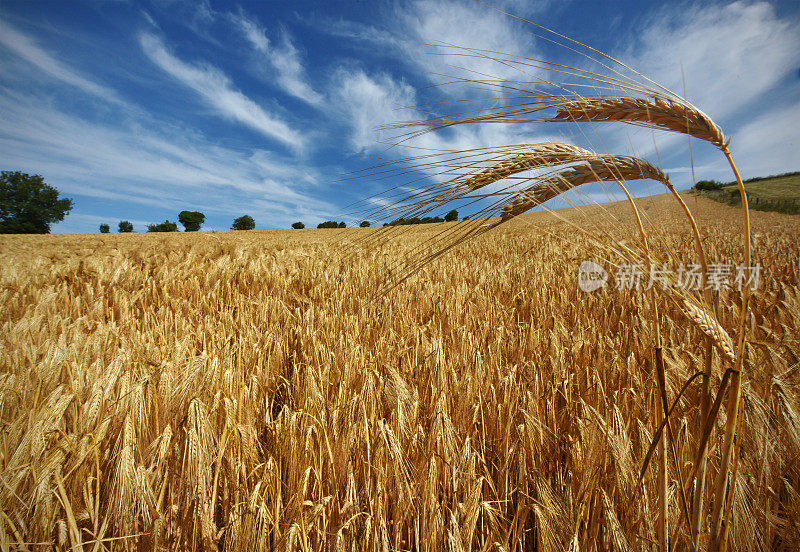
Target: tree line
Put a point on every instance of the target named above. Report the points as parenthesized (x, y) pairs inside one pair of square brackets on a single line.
[(192, 221), (29, 206), (449, 217)]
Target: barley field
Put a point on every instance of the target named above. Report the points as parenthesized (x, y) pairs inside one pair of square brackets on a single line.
[(250, 391)]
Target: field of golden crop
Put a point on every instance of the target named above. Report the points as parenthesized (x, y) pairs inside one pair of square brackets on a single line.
[(245, 391)]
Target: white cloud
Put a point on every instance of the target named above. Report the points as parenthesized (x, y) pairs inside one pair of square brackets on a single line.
[(466, 24), (729, 58), (252, 32), (203, 12), (430, 37), (367, 102), (27, 49), (730, 54), (284, 58), (291, 74), (151, 165), (454, 38), (768, 144), (149, 19), (217, 90), (417, 39)]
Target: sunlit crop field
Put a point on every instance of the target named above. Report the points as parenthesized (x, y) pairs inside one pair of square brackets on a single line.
[(247, 391)]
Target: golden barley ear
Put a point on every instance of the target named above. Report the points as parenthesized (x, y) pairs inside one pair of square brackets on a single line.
[(658, 112), (711, 327), (578, 167)]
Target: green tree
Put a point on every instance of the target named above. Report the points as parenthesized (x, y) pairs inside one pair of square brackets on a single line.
[(342, 225), (364, 224), (165, 226), (414, 220), (125, 226), (328, 224), (708, 185), (451, 216), (245, 222), (105, 229), (191, 220), (28, 205), (298, 225)]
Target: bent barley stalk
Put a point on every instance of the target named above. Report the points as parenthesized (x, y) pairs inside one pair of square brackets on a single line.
[(591, 168), (646, 104), (594, 168), (643, 105)]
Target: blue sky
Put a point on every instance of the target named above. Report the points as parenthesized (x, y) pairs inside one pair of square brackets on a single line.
[(140, 109)]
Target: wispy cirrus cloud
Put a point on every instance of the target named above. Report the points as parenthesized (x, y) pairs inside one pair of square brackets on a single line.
[(464, 25), (283, 57), (26, 48), (721, 56), (429, 37), (726, 59), (366, 102), (217, 90), (422, 33), (151, 165)]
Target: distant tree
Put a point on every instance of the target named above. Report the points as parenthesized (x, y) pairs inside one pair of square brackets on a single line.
[(414, 220), (191, 220), (328, 224), (364, 224), (708, 185), (298, 225), (342, 225), (125, 226), (165, 226), (245, 222), (105, 229), (451, 216), (28, 205), (466, 217)]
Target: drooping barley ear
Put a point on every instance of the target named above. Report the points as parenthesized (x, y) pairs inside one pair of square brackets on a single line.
[(681, 117), (709, 326), (591, 168), (605, 168), (542, 155), (481, 168), (538, 156), (656, 111)]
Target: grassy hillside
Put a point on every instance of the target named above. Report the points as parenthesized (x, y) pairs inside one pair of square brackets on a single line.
[(780, 193)]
